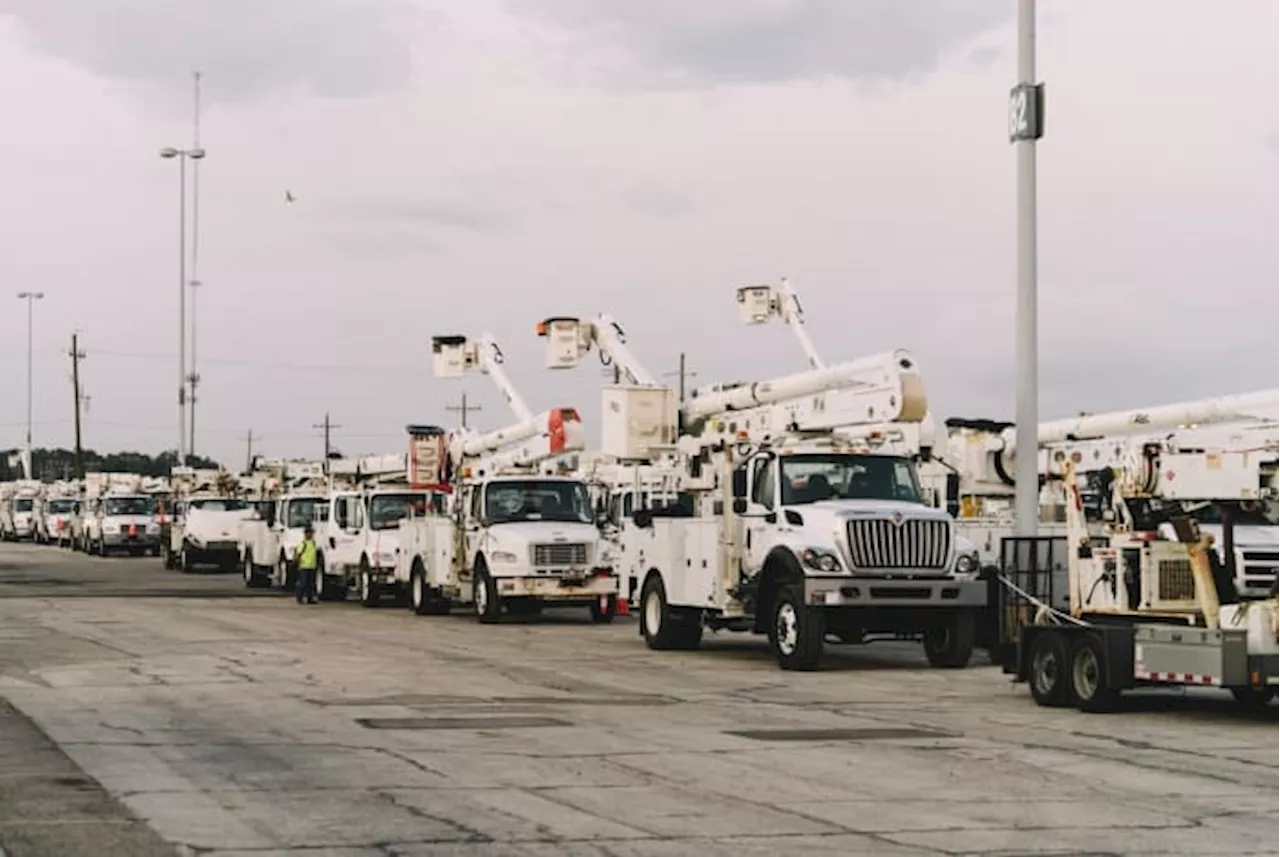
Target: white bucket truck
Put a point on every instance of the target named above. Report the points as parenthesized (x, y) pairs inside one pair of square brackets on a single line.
[(57, 513), (123, 517), (636, 467), (360, 540), (24, 508), (520, 534), (801, 531), (269, 541), (205, 520)]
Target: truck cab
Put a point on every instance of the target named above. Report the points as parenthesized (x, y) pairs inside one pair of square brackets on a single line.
[(360, 540), (515, 543), (125, 522), (59, 512)]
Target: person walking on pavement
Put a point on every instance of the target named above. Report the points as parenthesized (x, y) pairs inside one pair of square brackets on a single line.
[(308, 554)]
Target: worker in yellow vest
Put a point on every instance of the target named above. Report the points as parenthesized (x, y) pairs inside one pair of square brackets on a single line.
[(308, 556)]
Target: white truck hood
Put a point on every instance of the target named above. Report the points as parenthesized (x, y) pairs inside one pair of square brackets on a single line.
[(827, 512), (524, 533), (212, 526)]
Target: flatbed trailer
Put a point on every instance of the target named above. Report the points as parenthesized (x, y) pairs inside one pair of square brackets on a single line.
[(1088, 661)]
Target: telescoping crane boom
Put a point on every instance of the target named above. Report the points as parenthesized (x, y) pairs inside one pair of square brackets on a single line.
[(531, 439)]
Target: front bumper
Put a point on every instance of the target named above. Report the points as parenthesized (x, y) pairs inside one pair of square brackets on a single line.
[(852, 591), (214, 548), (124, 540), (586, 588)]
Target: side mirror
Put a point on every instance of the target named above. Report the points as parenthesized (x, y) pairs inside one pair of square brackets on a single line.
[(740, 482), (739, 505), (333, 543)]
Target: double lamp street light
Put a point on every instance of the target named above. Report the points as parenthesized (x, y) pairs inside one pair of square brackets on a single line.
[(181, 155)]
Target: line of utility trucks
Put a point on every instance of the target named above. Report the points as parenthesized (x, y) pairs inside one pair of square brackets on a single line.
[(823, 506)]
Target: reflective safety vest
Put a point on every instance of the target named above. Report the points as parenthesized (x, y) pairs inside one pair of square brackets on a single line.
[(307, 554)]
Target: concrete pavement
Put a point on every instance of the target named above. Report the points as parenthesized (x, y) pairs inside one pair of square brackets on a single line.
[(237, 722)]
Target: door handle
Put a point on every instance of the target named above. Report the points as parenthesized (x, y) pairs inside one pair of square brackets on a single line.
[(748, 538)]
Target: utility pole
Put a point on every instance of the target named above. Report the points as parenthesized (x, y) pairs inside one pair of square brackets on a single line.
[(682, 373), (1026, 126), (464, 408), (248, 451), (76, 356), (328, 429), (193, 380)]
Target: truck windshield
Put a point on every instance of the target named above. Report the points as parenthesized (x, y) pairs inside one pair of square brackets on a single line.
[(61, 507), (218, 504), (537, 500), (833, 476), (23, 505), (302, 512), (387, 510), (128, 506)]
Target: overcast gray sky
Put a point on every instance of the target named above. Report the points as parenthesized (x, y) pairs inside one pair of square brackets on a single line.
[(463, 167)]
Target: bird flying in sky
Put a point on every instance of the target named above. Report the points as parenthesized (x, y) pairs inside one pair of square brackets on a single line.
[(288, 196)]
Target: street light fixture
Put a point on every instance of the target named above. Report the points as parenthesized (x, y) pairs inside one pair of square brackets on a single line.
[(30, 298), (195, 154)]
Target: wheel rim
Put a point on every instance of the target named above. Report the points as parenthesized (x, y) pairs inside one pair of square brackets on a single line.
[(653, 613), (940, 638), (1044, 667), (482, 597), (248, 570), (417, 590), (788, 628), (1086, 673), (364, 585)]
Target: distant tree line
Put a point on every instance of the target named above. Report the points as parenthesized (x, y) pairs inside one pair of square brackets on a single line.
[(53, 464)]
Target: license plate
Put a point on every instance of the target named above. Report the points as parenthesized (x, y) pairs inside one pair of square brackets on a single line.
[(572, 580)]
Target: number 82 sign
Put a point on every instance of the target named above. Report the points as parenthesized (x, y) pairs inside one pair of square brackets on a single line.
[(1026, 112)]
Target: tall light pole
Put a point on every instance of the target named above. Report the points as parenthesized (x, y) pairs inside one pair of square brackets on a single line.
[(194, 378), (1026, 126), (30, 298), (195, 154)]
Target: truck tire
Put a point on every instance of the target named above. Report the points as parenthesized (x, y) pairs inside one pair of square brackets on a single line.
[(251, 578), (1090, 674), (185, 562), (1255, 699), (369, 591), (485, 598), (1049, 671), (419, 598), (286, 576), (949, 644), (797, 630), (662, 627), (603, 609)]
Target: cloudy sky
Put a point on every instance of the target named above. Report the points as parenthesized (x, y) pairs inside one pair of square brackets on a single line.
[(472, 167)]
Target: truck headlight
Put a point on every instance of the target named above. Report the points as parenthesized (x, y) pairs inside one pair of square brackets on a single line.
[(966, 563), (503, 556), (153, 527), (110, 527), (820, 560)]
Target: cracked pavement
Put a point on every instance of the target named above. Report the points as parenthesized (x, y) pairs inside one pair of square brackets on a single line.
[(155, 712)]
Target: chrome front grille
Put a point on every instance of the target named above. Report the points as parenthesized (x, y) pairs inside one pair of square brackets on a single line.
[(876, 543), (560, 554)]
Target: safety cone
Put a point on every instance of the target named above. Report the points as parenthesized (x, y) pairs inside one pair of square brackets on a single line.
[(624, 605)]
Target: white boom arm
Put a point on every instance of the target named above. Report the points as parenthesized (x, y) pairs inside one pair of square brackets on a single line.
[(456, 355), (885, 379), (561, 433), (758, 303), (1244, 406), (569, 340)]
